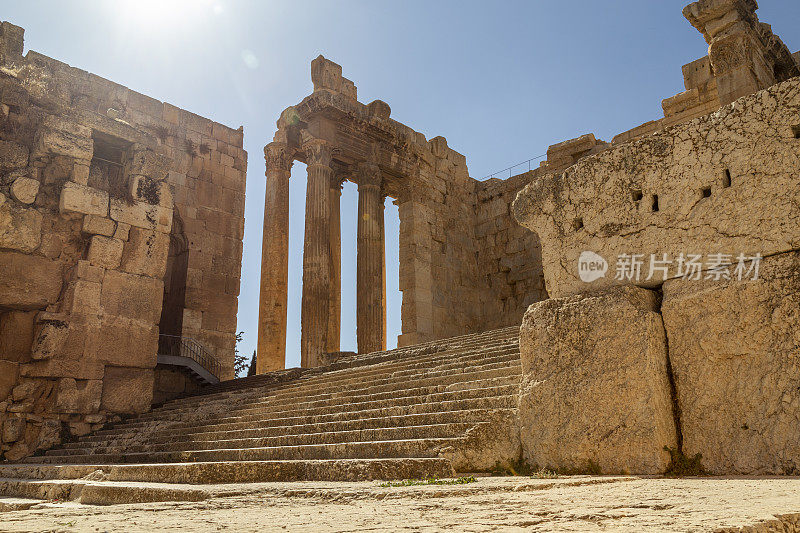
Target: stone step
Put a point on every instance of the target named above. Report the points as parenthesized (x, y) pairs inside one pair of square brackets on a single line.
[(483, 404), (236, 471), (451, 381), (349, 387), (344, 450), (335, 377), (501, 376), (291, 439), (491, 387), (8, 503), (353, 409), (470, 417)]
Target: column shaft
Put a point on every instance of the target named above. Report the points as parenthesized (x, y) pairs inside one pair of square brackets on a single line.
[(316, 256), (271, 354), (370, 268), (335, 303)]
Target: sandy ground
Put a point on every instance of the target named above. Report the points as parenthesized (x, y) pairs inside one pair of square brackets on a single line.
[(490, 504)]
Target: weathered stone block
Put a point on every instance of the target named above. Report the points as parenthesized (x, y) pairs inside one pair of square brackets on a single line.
[(28, 281), (9, 371), (127, 390), (78, 396), (142, 215), (52, 331), (734, 349), (148, 163), (132, 296), (595, 389), (25, 189), (13, 429), (667, 193), (94, 225), (83, 297), (146, 253), (105, 252), (83, 199), (16, 335), (121, 341), (20, 227), (59, 136), (12, 156), (58, 368)]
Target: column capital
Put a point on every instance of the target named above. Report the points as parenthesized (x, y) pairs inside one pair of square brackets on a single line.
[(337, 181), (278, 156), (318, 152), (369, 174)]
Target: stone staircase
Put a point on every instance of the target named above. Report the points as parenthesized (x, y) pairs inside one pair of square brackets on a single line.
[(432, 409)]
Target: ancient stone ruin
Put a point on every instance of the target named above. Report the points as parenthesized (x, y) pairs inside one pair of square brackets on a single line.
[(626, 306), (121, 225)]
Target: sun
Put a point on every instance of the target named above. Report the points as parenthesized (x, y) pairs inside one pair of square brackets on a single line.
[(153, 16)]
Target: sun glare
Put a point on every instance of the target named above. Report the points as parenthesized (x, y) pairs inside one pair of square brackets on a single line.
[(159, 15)]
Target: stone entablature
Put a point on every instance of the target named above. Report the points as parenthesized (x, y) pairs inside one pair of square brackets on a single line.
[(120, 217)]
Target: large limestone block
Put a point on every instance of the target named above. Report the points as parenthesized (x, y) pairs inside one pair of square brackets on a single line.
[(28, 281), (735, 352), (132, 296), (127, 390), (142, 215), (124, 342), (59, 136), (146, 253), (52, 332), (20, 227), (723, 183), (78, 396), (83, 199), (595, 388), (105, 252), (16, 336)]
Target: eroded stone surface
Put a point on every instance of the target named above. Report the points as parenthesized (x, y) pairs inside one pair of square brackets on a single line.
[(735, 351), (626, 206), (595, 391)]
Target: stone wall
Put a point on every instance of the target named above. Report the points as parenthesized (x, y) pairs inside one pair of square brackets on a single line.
[(723, 183), (102, 188), (509, 255), (726, 183)]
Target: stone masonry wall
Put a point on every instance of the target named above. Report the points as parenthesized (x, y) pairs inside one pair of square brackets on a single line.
[(509, 255), (724, 183), (99, 186)]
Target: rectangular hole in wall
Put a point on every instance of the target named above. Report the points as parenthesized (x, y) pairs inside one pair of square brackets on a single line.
[(726, 179), (106, 168), (636, 194), (654, 203), (796, 131)]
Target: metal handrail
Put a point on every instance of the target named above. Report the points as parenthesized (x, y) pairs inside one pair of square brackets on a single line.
[(188, 347), (509, 169)]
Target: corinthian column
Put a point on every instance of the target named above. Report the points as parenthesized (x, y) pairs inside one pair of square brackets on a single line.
[(274, 261), (370, 270), (335, 304), (316, 254)]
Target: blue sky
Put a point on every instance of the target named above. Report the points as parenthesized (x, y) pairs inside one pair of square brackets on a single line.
[(501, 80)]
